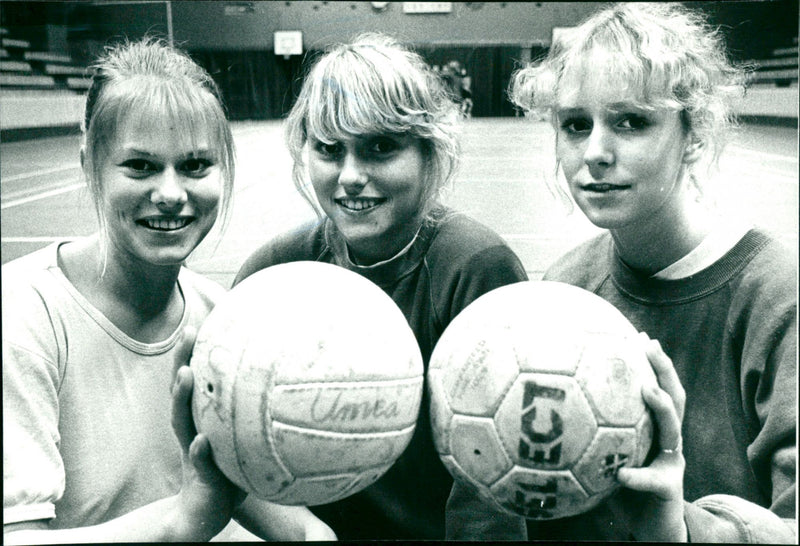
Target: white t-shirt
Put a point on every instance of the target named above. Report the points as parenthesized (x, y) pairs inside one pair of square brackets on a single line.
[(86, 409)]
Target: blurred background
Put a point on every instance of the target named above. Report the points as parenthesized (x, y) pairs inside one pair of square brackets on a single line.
[(257, 52)]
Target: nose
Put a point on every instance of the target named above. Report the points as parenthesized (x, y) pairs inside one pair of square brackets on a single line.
[(169, 193), (599, 153), (353, 175)]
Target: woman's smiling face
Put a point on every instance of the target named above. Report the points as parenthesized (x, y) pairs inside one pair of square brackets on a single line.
[(160, 191), (372, 188)]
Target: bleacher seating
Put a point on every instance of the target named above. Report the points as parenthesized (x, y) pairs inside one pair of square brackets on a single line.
[(23, 68), (781, 69), (39, 88), (772, 86)]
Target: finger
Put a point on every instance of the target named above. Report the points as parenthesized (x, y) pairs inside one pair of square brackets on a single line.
[(667, 421), (645, 480), (182, 421), (200, 457), (665, 373)]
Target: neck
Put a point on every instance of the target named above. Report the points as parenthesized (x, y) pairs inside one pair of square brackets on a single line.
[(118, 279), (386, 248), (665, 239), (146, 288)]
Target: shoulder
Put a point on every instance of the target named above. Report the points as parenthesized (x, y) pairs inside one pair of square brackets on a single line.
[(202, 287), (772, 262), (767, 282), (24, 266), (36, 307), (28, 279), (584, 263), (305, 242), (466, 260), (461, 240)]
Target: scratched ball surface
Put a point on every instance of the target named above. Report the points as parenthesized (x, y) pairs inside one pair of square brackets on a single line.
[(536, 398), (308, 382)]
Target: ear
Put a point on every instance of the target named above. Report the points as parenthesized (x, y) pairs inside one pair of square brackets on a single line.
[(693, 149)]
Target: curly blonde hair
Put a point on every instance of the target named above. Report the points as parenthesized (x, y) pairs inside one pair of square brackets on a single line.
[(668, 55), (373, 85)]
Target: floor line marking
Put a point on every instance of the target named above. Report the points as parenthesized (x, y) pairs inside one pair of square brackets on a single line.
[(23, 176), (43, 195), (765, 155), (31, 239)]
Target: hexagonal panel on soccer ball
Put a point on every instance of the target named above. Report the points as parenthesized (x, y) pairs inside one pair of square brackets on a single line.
[(475, 375), (611, 373), (541, 494), (475, 446), (545, 421), (611, 449)]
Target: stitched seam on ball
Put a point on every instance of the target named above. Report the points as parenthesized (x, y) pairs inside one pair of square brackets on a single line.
[(348, 385), (347, 435)]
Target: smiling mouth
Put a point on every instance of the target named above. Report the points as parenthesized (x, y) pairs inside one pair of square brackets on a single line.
[(358, 205), (161, 224)]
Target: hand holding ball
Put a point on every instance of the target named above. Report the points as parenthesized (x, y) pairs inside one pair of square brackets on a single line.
[(308, 382), (536, 398)]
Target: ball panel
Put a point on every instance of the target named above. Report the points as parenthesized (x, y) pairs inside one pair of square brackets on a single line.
[(475, 445), (308, 453), (475, 375), (611, 373), (256, 451), (315, 490), (611, 449), (314, 352), (554, 352), (213, 368), (544, 421), (440, 413), (364, 406), (537, 494)]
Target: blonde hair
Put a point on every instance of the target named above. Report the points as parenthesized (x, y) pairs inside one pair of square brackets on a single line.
[(150, 78), (666, 53), (374, 85)]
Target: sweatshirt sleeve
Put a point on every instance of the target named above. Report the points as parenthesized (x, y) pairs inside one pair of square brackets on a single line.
[(763, 324)]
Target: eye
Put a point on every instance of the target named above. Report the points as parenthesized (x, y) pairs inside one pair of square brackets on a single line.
[(196, 166), (383, 145), (328, 150), (574, 126), (139, 167), (634, 122)]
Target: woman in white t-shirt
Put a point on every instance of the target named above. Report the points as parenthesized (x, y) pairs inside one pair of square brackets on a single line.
[(98, 439)]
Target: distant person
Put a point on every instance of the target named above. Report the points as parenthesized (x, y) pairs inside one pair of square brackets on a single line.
[(466, 93), (98, 331), (456, 83), (373, 136), (638, 96)]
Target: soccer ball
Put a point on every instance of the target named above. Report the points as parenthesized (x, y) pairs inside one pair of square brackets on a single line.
[(308, 383), (536, 398)]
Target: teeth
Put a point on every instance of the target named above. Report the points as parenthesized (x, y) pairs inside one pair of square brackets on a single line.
[(359, 204), (167, 225)]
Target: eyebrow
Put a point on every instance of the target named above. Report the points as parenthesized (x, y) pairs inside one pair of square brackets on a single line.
[(194, 153), (613, 107)]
